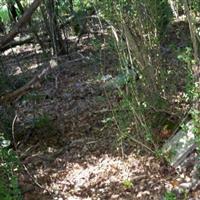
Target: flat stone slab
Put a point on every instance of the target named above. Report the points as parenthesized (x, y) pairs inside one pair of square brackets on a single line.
[(179, 146)]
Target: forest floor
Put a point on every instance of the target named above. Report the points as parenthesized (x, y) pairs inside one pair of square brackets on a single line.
[(67, 150)]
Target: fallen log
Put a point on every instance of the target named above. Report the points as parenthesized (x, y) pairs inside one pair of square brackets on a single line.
[(35, 82), (17, 42)]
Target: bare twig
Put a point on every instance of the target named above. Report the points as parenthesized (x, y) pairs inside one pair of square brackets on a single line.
[(35, 181), (13, 132), (141, 144), (24, 166), (163, 111), (33, 83)]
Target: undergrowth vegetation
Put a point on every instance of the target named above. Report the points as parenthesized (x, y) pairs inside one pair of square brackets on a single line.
[(139, 29), (9, 166), (154, 78)]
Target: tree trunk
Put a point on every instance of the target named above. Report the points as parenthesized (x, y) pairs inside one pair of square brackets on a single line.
[(55, 34), (22, 21), (195, 43)]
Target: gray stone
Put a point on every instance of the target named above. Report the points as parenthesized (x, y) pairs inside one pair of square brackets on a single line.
[(178, 147)]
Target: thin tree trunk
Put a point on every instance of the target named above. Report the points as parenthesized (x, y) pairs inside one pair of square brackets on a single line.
[(196, 66), (22, 21), (57, 42)]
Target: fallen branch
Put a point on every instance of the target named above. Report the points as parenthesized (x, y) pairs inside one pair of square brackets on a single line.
[(35, 82), (24, 40), (24, 166), (22, 22), (13, 132), (16, 43), (32, 84)]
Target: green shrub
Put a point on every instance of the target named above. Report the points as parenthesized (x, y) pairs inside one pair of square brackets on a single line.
[(169, 196), (42, 122), (9, 165), (4, 15)]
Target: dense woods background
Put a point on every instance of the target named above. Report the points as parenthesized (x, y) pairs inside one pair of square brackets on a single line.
[(98, 87)]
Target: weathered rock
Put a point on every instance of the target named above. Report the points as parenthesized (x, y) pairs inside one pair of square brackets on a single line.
[(178, 147)]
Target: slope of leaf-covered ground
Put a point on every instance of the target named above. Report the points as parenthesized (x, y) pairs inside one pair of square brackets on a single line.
[(67, 149)]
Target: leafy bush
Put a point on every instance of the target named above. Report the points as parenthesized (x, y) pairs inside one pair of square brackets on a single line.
[(139, 26), (4, 15), (169, 196), (9, 165)]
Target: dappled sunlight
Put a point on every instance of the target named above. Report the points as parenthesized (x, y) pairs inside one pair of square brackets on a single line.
[(99, 100)]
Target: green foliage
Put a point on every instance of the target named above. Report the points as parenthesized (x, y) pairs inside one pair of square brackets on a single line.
[(195, 5), (169, 196), (127, 184), (159, 154), (163, 15), (43, 122), (140, 27), (96, 44), (82, 4), (155, 13), (3, 141), (9, 165), (185, 55), (192, 93), (132, 121), (169, 155), (4, 15)]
